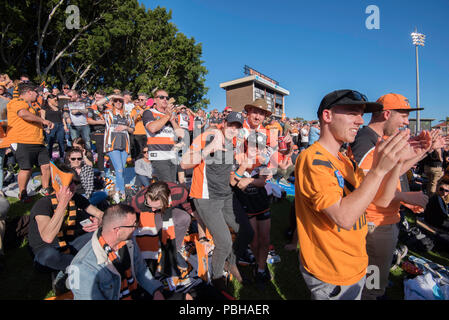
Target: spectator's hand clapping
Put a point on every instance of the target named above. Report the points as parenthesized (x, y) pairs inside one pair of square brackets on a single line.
[(390, 151)]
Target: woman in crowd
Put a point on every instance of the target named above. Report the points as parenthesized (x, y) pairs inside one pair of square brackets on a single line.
[(117, 143), (75, 159), (144, 170), (51, 112), (88, 157)]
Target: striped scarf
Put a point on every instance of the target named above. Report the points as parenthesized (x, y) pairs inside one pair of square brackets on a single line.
[(122, 263), (67, 232)]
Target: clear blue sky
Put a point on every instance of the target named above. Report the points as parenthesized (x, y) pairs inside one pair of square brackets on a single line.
[(314, 47)]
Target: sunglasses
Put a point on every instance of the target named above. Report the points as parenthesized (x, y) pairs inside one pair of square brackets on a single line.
[(135, 225), (76, 159), (145, 151), (444, 190), (141, 99), (353, 95), (162, 97)]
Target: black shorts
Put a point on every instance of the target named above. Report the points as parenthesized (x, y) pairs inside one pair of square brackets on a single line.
[(261, 216), (28, 155)]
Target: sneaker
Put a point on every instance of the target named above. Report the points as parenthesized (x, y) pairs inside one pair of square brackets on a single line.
[(261, 278), (59, 282), (247, 259), (45, 191)]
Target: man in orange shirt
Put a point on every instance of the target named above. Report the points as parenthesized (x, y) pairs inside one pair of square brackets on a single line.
[(383, 232), (139, 135), (332, 194), (25, 133)]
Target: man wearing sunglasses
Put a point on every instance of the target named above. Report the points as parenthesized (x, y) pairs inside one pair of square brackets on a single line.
[(382, 221), (162, 130), (436, 213), (110, 265), (332, 194)]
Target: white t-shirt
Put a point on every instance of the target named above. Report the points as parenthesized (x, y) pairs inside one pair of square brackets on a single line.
[(304, 135)]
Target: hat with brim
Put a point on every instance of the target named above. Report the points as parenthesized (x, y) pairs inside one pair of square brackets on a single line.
[(259, 104), (347, 97), (394, 101)]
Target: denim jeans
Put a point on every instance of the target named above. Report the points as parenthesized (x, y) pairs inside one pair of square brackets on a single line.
[(56, 134), (142, 180), (83, 132), (49, 256), (118, 158)]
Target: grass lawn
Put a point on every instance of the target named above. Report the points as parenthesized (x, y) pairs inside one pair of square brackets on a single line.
[(20, 281)]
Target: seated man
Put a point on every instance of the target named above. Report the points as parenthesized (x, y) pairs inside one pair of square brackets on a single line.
[(436, 213), (103, 269), (59, 225)]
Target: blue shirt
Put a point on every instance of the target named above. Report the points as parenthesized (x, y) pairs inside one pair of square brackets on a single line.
[(314, 135)]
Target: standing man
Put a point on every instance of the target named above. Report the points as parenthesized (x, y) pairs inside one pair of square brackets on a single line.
[(162, 130), (139, 137), (331, 196), (383, 232), (314, 133), (76, 116), (304, 136), (211, 156), (25, 133)]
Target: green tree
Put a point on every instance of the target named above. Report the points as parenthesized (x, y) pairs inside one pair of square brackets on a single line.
[(118, 44)]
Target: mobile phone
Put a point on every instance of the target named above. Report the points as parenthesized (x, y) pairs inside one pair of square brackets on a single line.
[(86, 222)]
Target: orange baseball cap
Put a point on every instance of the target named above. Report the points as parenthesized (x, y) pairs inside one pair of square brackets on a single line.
[(394, 101)]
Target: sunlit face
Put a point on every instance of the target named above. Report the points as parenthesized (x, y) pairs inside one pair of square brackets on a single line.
[(443, 190), (117, 103), (345, 122), (231, 130), (161, 100), (141, 100), (126, 227), (255, 117), (397, 119), (155, 205), (75, 159)]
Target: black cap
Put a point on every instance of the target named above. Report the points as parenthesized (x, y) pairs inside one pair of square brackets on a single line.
[(347, 98), (235, 117)]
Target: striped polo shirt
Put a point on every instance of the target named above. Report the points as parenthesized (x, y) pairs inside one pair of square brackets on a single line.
[(160, 144)]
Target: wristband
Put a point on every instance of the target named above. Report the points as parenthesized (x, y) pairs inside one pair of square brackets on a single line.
[(238, 175)]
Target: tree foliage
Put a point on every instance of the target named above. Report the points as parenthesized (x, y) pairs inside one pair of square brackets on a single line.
[(118, 44)]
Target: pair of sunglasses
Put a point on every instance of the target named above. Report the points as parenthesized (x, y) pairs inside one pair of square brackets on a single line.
[(354, 95), (162, 97)]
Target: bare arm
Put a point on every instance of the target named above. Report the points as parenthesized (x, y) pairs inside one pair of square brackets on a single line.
[(347, 210)]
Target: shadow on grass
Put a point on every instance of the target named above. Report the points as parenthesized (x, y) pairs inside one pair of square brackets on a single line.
[(20, 281)]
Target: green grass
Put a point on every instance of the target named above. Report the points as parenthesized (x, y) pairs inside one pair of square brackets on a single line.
[(20, 281)]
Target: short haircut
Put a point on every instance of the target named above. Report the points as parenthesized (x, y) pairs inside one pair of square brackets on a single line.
[(116, 212), (101, 92), (25, 87), (159, 191), (140, 94), (159, 90)]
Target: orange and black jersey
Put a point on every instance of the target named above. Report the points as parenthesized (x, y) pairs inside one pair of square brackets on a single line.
[(161, 143), (212, 176)]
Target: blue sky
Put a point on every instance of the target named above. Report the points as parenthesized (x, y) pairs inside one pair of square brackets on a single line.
[(314, 47)]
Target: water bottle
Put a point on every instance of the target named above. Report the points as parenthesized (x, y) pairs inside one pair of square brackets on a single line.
[(273, 257)]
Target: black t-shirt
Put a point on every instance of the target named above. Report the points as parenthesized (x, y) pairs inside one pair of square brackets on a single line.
[(44, 207), (52, 115), (253, 199)]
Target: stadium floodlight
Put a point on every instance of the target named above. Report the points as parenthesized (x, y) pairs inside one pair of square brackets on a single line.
[(418, 40)]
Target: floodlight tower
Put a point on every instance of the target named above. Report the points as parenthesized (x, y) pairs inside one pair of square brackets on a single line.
[(418, 40)]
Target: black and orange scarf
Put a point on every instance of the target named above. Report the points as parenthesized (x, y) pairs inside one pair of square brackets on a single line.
[(122, 263), (67, 232)]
